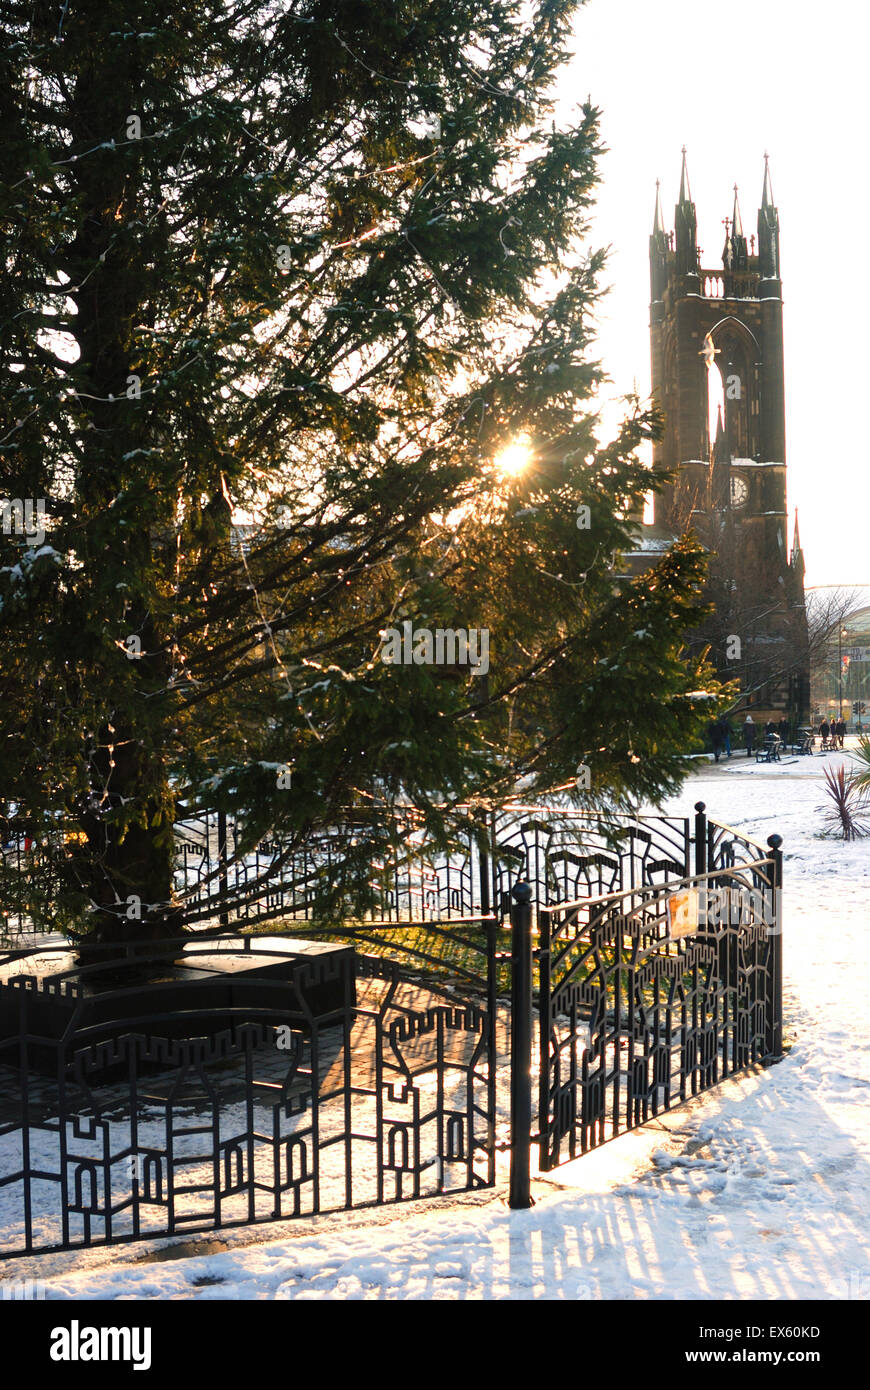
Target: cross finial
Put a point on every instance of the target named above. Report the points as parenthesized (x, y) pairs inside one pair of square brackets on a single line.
[(726, 222)]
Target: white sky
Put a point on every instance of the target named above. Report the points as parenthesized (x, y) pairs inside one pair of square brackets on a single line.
[(729, 82)]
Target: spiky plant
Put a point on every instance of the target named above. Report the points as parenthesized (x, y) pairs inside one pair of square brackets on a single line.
[(844, 793)]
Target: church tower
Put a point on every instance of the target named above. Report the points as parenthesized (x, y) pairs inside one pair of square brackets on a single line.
[(717, 375)]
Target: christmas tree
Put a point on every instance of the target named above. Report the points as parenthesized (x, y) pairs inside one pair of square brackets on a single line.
[(282, 283)]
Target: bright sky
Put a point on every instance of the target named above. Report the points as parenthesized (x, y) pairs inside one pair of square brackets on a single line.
[(729, 82)]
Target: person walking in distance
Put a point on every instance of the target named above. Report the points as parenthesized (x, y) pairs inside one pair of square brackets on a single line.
[(825, 732), (715, 734), (727, 731), (841, 731), (749, 734)]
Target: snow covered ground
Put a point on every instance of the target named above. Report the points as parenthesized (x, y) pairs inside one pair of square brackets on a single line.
[(758, 1189)]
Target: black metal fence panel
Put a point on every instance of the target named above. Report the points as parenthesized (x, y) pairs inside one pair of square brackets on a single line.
[(320, 1089), (224, 883), (654, 995), (560, 853), (245, 1079)]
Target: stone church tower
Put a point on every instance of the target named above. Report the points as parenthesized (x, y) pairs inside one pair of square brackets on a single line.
[(717, 345)]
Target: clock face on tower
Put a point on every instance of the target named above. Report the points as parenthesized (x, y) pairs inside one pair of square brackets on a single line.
[(739, 490)]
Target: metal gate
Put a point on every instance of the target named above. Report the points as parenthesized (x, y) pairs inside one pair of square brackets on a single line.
[(653, 995)]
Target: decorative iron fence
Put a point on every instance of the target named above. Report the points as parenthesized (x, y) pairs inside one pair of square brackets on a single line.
[(650, 995), (283, 1083), (224, 883), (249, 1079), (562, 853)]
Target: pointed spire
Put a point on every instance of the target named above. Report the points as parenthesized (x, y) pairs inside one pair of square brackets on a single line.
[(686, 229), (719, 459), (797, 563), (658, 219), (767, 194), (658, 252), (685, 190), (768, 230), (736, 253)]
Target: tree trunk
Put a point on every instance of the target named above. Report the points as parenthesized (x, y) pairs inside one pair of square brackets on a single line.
[(129, 868)]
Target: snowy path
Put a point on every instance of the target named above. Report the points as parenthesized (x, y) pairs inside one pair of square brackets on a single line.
[(758, 1189)]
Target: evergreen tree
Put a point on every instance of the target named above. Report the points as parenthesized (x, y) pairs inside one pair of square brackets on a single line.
[(313, 263)]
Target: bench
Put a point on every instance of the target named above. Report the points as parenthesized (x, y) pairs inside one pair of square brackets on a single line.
[(770, 751)]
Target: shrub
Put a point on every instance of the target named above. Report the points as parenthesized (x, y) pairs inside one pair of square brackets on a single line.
[(844, 793)]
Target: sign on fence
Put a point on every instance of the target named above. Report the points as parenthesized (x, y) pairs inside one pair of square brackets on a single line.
[(683, 913)]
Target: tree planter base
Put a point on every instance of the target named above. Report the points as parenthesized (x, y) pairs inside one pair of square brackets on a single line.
[(51, 1006)]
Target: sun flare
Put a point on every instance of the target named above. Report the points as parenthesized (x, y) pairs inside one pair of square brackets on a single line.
[(515, 457)]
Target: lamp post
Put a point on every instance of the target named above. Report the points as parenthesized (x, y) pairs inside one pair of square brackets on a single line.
[(840, 635)]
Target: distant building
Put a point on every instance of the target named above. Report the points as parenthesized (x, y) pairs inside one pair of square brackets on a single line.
[(840, 673), (717, 357)]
